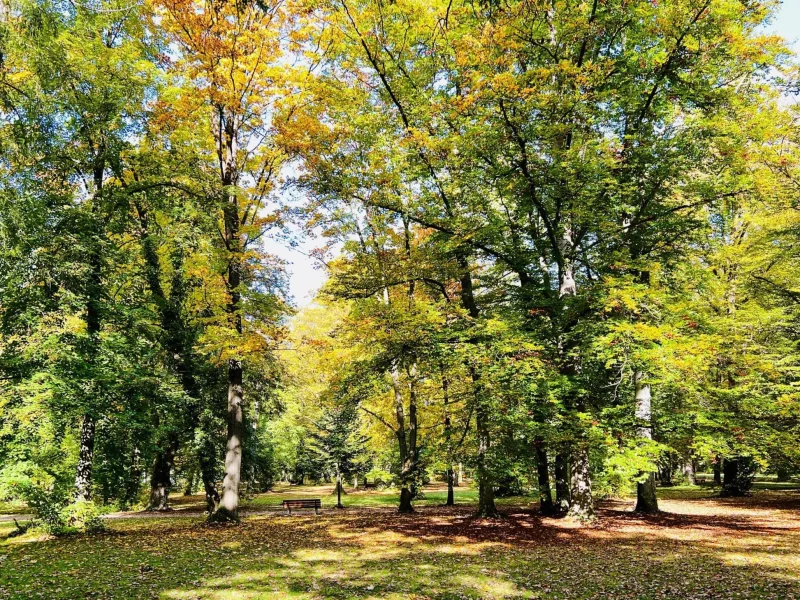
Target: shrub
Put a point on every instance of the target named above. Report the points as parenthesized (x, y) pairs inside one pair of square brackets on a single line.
[(55, 515)]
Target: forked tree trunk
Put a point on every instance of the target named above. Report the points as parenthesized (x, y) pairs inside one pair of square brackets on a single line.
[(562, 483), (646, 501), (545, 495)]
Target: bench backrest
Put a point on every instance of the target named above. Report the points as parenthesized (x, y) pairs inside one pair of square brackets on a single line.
[(303, 503)]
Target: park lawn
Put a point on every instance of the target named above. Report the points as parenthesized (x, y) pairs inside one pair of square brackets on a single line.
[(698, 548)]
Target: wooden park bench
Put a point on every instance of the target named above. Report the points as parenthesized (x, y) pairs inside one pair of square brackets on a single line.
[(316, 504)]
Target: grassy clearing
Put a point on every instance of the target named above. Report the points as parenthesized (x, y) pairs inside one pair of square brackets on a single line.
[(701, 547)]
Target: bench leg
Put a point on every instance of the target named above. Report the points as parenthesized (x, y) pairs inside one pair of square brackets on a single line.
[(316, 510)]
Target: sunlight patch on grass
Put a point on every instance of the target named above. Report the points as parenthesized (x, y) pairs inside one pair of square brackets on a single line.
[(492, 587)]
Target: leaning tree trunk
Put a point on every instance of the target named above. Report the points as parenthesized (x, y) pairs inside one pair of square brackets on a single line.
[(545, 494), (646, 501)]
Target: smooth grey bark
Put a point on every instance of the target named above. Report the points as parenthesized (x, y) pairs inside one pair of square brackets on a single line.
[(646, 500), (581, 505)]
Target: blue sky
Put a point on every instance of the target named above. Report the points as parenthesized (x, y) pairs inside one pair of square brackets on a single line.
[(306, 278)]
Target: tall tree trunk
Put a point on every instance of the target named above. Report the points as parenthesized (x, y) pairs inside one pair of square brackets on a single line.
[(83, 473), (486, 505), (451, 500), (581, 505), (718, 470), (543, 474), (460, 477), (448, 437), (161, 478), (688, 471), (646, 501), (134, 481), (228, 509), (339, 490), (562, 483)]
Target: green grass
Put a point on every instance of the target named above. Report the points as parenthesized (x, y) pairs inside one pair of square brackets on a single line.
[(703, 548)]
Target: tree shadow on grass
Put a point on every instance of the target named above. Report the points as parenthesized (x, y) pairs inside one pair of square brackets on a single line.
[(438, 553)]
